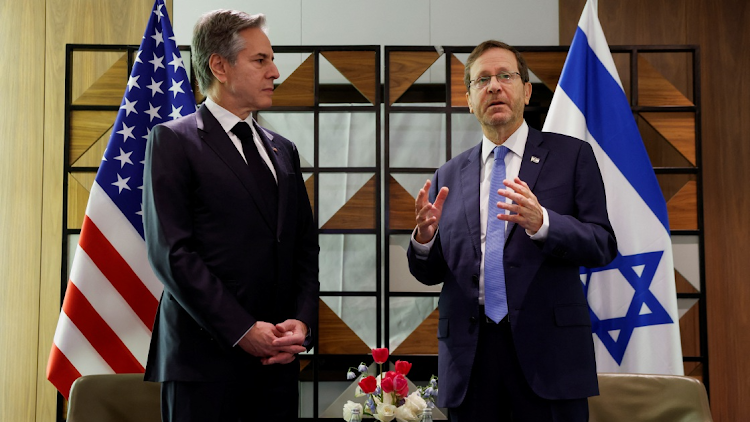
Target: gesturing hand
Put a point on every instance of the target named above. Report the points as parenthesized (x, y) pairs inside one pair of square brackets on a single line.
[(428, 214), (527, 212)]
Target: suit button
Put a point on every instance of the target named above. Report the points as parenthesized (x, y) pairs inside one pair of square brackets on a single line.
[(473, 320)]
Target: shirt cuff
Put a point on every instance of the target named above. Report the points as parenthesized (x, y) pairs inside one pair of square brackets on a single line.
[(541, 235), (243, 336), (421, 251)]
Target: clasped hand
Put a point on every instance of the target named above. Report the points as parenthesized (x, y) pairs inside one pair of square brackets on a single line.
[(277, 343)]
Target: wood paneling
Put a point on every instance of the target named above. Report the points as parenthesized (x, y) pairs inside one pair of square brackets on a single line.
[(655, 90), (720, 29), (98, 77), (299, 88), (678, 129), (547, 66), (21, 179), (423, 340), (335, 336), (86, 128), (458, 89), (406, 67), (358, 67)]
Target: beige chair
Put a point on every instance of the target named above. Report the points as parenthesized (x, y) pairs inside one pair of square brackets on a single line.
[(114, 398), (649, 398)]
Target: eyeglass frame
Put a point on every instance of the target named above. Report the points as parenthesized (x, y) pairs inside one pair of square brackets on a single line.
[(507, 80)]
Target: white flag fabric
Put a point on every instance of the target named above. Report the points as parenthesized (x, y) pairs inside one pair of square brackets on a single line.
[(632, 301), (112, 294)]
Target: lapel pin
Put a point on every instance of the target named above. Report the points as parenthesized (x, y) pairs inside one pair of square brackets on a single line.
[(535, 159), (275, 150)]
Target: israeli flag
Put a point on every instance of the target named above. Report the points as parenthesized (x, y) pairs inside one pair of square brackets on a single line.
[(632, 301)]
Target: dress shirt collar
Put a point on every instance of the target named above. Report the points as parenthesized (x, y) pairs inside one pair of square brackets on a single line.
[(516, 142), (226, 118)]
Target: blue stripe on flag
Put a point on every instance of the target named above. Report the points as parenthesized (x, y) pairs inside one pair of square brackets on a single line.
[(610, 121)]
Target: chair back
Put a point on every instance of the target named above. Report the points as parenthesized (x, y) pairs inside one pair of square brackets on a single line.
[(114, 398), (649, 398)]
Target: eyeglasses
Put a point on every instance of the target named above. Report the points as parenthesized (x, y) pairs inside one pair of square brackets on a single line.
[(502, 77)]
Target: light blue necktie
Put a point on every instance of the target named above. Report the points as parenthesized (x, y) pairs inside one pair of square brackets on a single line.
[(495, 297)]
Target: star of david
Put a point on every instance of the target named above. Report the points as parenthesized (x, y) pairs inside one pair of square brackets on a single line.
[(633, 319)]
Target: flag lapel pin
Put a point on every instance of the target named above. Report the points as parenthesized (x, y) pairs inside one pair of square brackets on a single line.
[(535, 159)]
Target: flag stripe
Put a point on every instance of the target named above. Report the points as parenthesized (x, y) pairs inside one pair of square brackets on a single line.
[(76, 347), (609, 119), (61, 372), (98, 333), (118, 272), (110, 306), (123, 237)]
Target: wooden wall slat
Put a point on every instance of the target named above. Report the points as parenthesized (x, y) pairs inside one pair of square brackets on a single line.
[(683, 208), (358, 212), (400, 207), (406, 67), (299, 88), (336, 337), (458, 89), (358, 67), (547, 66), (423, 340), (87, 127), (91, 85), (677, 128)]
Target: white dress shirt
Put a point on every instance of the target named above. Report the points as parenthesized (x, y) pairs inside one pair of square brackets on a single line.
[(228, 120), (516, 144)]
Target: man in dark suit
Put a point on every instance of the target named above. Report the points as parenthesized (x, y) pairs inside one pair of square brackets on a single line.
[(231, 235), (505, 227)]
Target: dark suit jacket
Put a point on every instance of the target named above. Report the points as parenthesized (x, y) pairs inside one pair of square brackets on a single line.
[(547, 308), (225, 261)]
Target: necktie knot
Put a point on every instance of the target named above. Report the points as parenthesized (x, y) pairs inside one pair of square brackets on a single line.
[(500, 152), (243, 131)]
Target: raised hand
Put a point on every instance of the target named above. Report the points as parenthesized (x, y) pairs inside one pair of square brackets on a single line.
[(527, 212), (428, 214)]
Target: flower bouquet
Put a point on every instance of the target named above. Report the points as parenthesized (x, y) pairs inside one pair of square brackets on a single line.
[(387, 393)]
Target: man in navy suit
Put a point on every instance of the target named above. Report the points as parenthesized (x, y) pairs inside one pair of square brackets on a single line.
[(505, 230), (230, 233)]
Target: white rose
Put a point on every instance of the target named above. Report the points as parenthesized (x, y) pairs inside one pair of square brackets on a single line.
[(405, 414), (386, 412), (415, 403), (348, 409)]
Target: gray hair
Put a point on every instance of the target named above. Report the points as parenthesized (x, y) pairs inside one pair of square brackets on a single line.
[(217, 32)]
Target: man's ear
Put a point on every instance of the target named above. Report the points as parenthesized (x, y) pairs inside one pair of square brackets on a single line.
[(218, 66), (468, 101)]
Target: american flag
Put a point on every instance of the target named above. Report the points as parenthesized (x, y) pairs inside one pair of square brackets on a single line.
[(112, 294)]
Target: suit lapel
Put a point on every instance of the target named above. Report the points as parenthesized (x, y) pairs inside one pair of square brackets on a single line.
[(282, 173), (534, 157), (217, 139), (470, 195)]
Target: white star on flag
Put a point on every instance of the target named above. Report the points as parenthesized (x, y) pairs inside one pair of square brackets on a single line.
[(158, 62), (112, 293), (129, 107), (155, 87), (176, 62), (122, 183), (176, 87), (124, 158), (175, 112)]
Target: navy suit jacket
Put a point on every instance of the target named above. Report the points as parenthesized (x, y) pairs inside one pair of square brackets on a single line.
[(225, 261), (548, 312)]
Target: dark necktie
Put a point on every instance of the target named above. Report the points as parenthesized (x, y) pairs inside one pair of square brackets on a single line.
[(258, 168)]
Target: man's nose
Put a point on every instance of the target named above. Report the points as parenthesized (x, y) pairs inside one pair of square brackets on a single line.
[(494, 84), (274, 71)]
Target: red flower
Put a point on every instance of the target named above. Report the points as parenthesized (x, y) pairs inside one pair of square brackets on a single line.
[(403, 367), (368, 384), (400, 385), (380, 355), (386, 384)]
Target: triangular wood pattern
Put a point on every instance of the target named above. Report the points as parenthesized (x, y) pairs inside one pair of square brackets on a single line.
[(655, 90), (547, 66), (405, 68), (78, 198), (298, 90), (93, 156), (458, 89), (401, 207), (423, 340), (109, 88), (87, 127), (85, 179), (683, 208), (358, 67), (690, 331), (682, 285), (678, 129), (358, 212), (336, 338)]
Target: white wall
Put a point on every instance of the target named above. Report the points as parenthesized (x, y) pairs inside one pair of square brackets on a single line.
[(387, 22)]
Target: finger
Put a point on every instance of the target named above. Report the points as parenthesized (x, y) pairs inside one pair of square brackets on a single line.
[(441, 196), (422, 196)]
